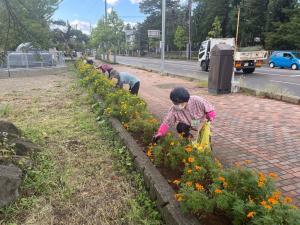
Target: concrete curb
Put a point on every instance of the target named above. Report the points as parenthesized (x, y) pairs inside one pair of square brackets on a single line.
[(159, 189), (288, 99)]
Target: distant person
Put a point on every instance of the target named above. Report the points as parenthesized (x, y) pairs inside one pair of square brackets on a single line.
[(90, 61), (187, 113), (105, 68), (126, 78)]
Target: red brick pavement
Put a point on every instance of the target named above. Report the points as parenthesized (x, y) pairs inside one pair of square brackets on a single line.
[(265, 132)]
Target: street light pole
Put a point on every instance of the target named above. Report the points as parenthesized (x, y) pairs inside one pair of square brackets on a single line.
[(235, 48), (163, 37), (190, 18), (105, 10)]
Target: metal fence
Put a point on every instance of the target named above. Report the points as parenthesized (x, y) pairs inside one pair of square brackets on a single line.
[(34, 59), (182, 55)]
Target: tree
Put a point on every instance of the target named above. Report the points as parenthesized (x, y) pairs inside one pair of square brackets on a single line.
[(25, 21), (180, 38), (216, 29), (109, 34), (286, 35)]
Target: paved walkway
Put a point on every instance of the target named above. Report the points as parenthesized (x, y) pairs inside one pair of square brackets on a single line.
[(262, 131)]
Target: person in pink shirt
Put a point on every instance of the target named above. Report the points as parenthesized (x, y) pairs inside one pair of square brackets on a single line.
[(187, 112), (105, 68)]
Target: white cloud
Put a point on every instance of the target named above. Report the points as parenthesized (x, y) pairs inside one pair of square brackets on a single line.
[(109, 10), (82, 25), (112, 2), (135, 1)]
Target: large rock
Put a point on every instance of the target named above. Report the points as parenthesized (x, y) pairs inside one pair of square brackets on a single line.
[(9, 128), (10, 180), (22, 147)]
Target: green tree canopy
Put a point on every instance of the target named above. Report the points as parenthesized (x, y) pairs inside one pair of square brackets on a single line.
[(216, 29), (181, 38)]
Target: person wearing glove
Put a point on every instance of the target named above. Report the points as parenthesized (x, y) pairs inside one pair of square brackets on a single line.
[(188, 112), (126, 78)]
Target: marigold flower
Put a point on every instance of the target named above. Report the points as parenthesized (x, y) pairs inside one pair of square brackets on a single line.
[(261, 179), (276, 195), (191, 159), (218, 191), (125, 125), (188, 148), (179, 197), (177, 182), (272, 201), (222, 179), (250, 214), (265, 204), (199, 187), (172, 143), (273, 175), (189, 183), (184, 161), (149, 153), (287, 199), (190, 171), (198, 168), (225, 184)]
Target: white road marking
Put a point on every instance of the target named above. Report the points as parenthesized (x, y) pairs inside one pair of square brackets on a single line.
[(284, 82)]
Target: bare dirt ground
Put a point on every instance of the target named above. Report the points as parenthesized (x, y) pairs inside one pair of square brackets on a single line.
[(259, 132), (86, 186)]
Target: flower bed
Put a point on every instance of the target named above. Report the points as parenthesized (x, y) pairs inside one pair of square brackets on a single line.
[(203, 186)]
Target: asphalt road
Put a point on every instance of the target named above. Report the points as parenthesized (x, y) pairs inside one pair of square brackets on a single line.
[(282, 81)]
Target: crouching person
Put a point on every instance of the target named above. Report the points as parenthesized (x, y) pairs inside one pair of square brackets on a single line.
[(126, 78), (187, 113), (106, 69)]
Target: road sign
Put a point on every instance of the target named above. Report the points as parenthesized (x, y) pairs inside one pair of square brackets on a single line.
[(154, 33)]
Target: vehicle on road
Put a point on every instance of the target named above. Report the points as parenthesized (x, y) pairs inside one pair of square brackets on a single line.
[(285, 59), (246, 61)]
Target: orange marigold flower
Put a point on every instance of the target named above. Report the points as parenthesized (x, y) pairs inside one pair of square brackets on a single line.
[(272, 201), (172, 143), (250, 214), (126, 126), (199, 187), (276, 195), (177, 182), (188, 148), (198, 168), (149, 153), (179, 197), (190, 171), (263, 203), (222, 179), (218, 191), (189, 183), (287, 199), (191, 159), (273, 175), (261, 179)]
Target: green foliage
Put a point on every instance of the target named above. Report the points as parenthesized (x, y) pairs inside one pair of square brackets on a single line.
[(180, 39), (26, 21), (216, 29), (108, 35)]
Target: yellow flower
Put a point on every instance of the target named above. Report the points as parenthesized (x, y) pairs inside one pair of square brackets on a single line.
[(225, 184), (261, 179), (287, 199), (188, 148), (265, 204), (172, 143), (177, 182), (199, 187), (190, 171), (126, 126), (189, 183), (198, 168), (250, 214), (179, 197), (149, 153), (191, 159), (218, 191), (184, 161), (276, 195)]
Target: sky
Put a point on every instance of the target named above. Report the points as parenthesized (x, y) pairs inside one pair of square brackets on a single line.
[(85, 12)]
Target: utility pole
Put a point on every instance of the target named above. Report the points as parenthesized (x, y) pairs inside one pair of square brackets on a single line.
[(105, 10), (190, 18), (233, 84), (163, 36)]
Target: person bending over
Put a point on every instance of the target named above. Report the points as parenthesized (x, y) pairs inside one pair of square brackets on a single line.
[(126, 78), (187, 112), (105, 68)]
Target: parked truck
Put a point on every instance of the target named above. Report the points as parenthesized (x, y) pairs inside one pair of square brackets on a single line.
[(245, 61)]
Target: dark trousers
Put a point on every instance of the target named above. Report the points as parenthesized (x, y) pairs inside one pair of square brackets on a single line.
[(135, 89)]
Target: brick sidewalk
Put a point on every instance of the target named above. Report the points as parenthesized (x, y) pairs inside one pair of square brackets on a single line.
[(265, 132)]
